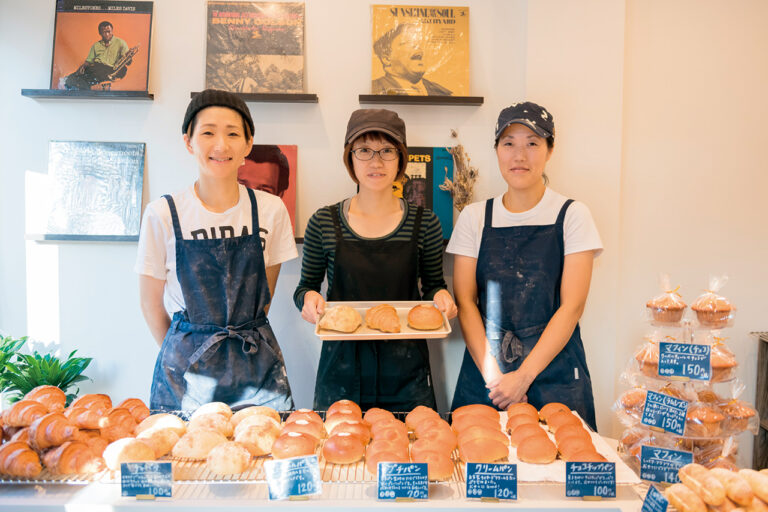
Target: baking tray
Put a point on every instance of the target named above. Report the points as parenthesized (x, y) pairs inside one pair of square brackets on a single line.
[(366, 333)]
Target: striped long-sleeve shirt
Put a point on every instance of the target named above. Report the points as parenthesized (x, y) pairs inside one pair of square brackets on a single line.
[(320, 250)]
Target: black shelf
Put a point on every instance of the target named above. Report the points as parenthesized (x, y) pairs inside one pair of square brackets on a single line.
[(89, 94), (81, 238), (272, 97), (394, 99)]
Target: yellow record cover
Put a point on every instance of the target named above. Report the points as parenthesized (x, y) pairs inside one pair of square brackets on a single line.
[(420, 50)]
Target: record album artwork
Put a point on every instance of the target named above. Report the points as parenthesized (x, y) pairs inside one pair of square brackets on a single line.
[(426, 170), (101, 45), (272, 168), (255, 47), (95, 189), (420, 50)]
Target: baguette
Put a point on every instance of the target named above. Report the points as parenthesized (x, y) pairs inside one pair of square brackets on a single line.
[(697, 478), (684, 499), (736, 488)]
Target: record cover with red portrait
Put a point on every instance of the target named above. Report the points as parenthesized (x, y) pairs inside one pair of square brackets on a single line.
[(272, 168), (101, 45)]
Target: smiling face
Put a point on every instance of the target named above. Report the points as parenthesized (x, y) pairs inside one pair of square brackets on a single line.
[(218, 142), (374, 174), (406, 58), (522, 157)]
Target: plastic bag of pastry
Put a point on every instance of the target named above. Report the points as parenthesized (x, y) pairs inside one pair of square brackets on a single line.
[(646, 357), (703, 420), (631, 442), (668, 307), (630, 405), (723, 361), (714, 311), (739, 416), (717, 452)]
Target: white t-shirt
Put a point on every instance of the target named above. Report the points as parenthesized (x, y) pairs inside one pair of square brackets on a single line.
[(579, 230), (157, 244)]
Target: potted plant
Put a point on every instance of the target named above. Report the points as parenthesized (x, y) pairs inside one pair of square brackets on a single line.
[(9, 347), (32, 370)]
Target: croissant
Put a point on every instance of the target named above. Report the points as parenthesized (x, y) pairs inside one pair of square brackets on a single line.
[(93, 401), (18, 459), (72, 457), (138, 409), (383, 317), (51, 397), (50, 430), (23, 413), (84, 418), (22, 435), (117, 424)]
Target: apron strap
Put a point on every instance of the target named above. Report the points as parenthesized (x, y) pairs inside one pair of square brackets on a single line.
[(561, 215), (416, 223), (336, 221), (174, 217), (559, 223), (489, 213), (254, 212)]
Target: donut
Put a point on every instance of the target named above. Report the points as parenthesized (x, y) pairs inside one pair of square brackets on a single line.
[(560, 418), (439, 465), (343, 448), (525, 431), (304, 414), (333, 419), (255, 410), (372, 462), (419, 414), (344, 406), (476, 410), (521, 419), (293, 444), (537, 450), (483, 450), (305, 427), (375, 414), (382, 426), (522, 408), (480, 432), (551, 408), (356, 428)]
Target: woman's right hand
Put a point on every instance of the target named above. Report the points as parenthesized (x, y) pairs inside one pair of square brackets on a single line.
[(314, 307)]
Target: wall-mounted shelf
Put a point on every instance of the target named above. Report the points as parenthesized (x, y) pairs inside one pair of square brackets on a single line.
[(89, 94), (394, 99), (272, 97), (80, 238)]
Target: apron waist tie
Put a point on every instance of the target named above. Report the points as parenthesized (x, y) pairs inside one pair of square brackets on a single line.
[(508, 345), (243, 333)]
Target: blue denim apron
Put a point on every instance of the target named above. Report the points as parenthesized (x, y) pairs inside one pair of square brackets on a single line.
[(221, 348), (392, 374), (519, 270)]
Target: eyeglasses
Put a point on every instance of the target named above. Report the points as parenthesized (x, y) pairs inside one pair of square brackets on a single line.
[(387, 154)]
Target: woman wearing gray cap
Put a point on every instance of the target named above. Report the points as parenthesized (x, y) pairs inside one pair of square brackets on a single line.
[(523, 263), (373, 247)]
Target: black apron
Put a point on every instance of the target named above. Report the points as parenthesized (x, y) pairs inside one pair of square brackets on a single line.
[(221, 348), (391, 374), (519, 270)]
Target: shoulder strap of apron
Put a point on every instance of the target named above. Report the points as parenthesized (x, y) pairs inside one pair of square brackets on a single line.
[(254, 212), (416, 223), (336, 220), (174, 217), (488, 213), (561, 215)]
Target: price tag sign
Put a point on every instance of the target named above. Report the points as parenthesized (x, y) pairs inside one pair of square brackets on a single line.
[(497, 481), (403, 481), (146, 479), (299, 476), (685, 360), (654, 501), (665, 412), (661, 464), (590, 479)]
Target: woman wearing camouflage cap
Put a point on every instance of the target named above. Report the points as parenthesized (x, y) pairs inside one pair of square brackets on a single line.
[(522, 268)]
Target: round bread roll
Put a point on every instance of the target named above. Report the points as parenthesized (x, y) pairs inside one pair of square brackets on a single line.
[(127, 449), (304, 414), (305, 427), (561, 418), (357, 428), (293, 444), (525, 431), (481, 432), (464, 422), (521, 419), (213, 407), (340, 318), (259, 410), (348, 416), (344, 406), (442, 436), (484, 450), (372, 462), (375, 414), (429, 445), (257, 439), (425, 317), (550, 409), (585, 455), (197, 444), (212, 421), (258, 420), (162, 421), (382, 426), (476, 410), (399, 447), (537, 450), (439, 464), (572, 445), (431, 424), (419, 414), (230, 458), (161, 440), (522, 408), (343, 448), (572, 430)]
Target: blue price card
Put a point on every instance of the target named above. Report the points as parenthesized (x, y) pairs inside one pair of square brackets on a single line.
[(665, 412), (492, 481), (299, 476), (685, 360), (403, 481), (146, 479), (661, 464), (590, 479), (654, 501)]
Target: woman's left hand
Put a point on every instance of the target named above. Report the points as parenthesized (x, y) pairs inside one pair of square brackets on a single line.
[(444, 302), (509, 389)]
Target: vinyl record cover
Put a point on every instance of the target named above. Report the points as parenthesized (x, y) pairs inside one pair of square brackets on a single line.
[(255, 47), (420, 50), (101, 45), (426, 170), (95, 189), (272, 168)]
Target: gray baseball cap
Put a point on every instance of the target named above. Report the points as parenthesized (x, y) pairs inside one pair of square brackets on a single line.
[(528, 114), (367, 120)]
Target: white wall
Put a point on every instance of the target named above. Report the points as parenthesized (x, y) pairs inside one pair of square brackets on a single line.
[(658, 107)]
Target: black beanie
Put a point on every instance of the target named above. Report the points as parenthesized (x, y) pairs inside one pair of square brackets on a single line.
[(215, 98)]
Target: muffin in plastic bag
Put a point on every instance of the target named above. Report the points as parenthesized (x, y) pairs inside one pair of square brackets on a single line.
[(668, 307), (703, 420), (713, 311)]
